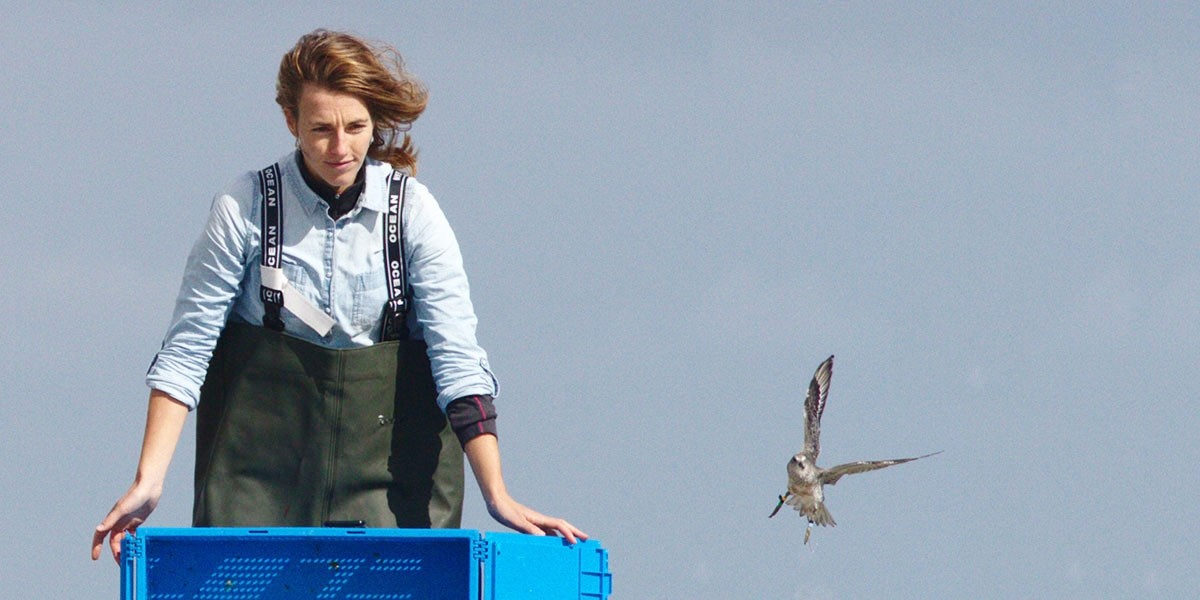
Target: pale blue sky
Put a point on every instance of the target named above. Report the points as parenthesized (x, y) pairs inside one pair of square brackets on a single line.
[(670, 215)]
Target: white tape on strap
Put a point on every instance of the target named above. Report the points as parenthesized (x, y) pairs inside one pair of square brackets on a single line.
[(295, 302), (273, 278)]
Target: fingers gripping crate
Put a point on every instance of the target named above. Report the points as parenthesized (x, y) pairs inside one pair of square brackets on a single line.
[(358, 564)]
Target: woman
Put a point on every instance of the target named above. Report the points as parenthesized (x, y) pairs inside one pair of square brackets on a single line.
[(324, 330)]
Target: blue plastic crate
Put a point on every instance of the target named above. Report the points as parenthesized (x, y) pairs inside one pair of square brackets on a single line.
[(358, 564)]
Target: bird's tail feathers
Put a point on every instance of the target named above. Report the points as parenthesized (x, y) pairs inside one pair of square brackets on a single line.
[(820, 516)]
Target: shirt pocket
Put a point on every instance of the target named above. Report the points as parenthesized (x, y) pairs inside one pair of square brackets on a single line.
[(370, 296)]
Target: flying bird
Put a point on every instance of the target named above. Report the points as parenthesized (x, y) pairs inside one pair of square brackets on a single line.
[(806, 480)]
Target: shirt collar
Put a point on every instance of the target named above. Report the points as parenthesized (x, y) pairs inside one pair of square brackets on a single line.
[(376, 185), (373, 175)]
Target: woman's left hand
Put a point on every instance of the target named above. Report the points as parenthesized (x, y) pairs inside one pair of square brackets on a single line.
[(515, 515), (484, 454)]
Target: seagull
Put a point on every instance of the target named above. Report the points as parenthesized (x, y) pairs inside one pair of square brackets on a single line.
[(806, 480)]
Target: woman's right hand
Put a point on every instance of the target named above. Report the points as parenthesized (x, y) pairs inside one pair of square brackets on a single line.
[(125, 517), (164, 423)]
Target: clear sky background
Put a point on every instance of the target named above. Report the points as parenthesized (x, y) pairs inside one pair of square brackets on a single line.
[(670, 216)]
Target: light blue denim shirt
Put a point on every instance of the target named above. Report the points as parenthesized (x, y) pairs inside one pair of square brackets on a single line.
[(339, 266)]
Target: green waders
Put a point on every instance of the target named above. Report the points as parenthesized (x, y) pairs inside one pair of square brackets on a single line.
[(289, 433)]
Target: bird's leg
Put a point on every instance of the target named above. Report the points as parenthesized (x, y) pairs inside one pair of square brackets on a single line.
[(782, 498)]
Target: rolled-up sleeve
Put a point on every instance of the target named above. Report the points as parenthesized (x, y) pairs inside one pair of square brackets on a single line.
[(211, 281), (442, 301)]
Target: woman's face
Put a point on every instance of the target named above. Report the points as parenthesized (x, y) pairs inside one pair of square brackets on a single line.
[(334, 133)]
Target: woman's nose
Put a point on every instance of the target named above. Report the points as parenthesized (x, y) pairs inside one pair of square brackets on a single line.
[(340, 141)]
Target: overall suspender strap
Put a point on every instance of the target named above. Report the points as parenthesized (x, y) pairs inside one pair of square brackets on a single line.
[(272, 229), (395, 314), (276, 291)]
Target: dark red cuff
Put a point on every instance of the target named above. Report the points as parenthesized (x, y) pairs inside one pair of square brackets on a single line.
[(472, 416)]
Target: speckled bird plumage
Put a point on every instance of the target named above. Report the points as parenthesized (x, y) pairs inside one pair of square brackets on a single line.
[(806, 480)]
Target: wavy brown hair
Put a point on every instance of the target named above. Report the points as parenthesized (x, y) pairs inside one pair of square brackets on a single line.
[(374, 74)]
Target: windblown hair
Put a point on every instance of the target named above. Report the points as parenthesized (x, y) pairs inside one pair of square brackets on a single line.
[(343, 63)]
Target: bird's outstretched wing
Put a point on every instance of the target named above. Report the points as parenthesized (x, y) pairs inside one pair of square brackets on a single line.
[(831, 475), (814, 405)]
